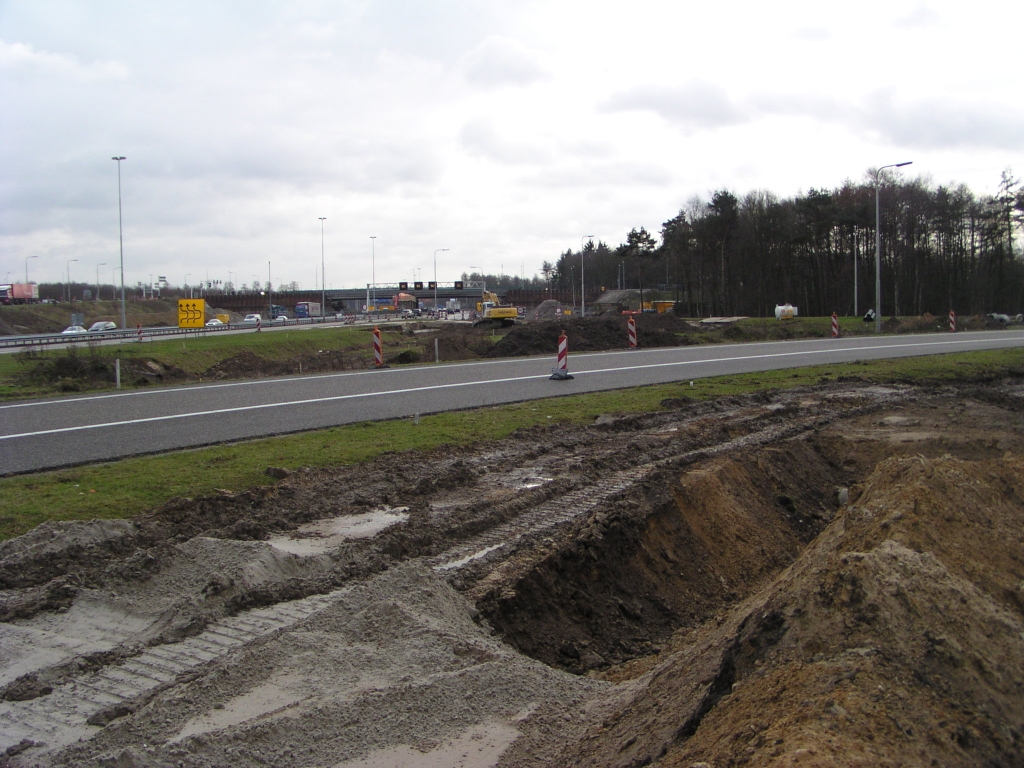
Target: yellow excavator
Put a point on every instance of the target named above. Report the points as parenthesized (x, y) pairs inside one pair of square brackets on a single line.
[(492, 313)]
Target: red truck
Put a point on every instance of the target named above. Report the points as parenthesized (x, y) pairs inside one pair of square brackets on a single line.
[(19, 293)]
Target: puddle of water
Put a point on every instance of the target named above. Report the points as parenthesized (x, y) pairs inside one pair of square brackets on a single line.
[(469, 558), (262, 700), (479, 747), (323, 535)]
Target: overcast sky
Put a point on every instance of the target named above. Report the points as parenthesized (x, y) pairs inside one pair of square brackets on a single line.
[(502, 130)]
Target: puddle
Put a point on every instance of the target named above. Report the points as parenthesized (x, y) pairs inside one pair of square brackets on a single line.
[(323, 535), (469, 558), (479, 747), (263, 700)]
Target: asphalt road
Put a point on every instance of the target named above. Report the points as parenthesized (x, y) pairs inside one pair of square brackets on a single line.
[(44, 434)]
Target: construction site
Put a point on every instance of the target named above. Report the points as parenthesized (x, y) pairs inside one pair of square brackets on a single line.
[(828, 575)]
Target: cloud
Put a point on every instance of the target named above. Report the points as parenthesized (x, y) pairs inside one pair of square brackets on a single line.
[(479, 137), (695, 106), (813, 34), (24, 59), (944, 124), (501, 61), (922, 16)]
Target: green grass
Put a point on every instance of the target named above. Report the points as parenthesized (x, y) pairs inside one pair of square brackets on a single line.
[(197, 353), (127, 487)]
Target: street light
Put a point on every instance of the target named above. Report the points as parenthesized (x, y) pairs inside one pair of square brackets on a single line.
[(101, 264), (439, 250), (583, 282), (373, 271), (878, 246), (69, 278), (234, 287), (323, 282), (26, 265), (120, 236)]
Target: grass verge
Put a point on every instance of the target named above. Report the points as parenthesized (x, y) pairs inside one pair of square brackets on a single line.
[(125, 488)]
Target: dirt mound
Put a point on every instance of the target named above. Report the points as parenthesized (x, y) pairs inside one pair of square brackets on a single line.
[(590, 335), (894, 639)]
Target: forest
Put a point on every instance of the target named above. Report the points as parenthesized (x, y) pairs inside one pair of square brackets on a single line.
[(942, 248)]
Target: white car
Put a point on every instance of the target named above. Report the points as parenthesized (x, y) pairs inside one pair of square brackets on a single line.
[(73, 329), (253, 319), (214, 323), (281, 319), (102, 325)]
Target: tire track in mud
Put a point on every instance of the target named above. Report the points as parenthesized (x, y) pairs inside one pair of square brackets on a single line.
[(81, 707)]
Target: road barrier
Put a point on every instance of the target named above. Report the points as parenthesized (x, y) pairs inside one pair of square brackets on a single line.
[(561, 370), (378, 351), (631, 331), (259, 323), (138, 332), (952, 321), (835, 326)]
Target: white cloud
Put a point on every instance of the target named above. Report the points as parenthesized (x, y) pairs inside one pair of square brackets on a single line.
[(501, 61), (697, 105), (922, 16), (22, 59)]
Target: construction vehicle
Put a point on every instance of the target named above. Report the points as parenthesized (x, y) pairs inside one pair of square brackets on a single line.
[(491, 312)]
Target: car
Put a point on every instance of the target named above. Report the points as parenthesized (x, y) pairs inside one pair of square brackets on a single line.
[(253, 318), (281, 319), (73, 329), (214, 323), (102, 325)]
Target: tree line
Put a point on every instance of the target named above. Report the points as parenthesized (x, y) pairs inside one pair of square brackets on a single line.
[(943, 247)]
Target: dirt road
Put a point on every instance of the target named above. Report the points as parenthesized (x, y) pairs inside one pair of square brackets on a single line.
[(819, 575)]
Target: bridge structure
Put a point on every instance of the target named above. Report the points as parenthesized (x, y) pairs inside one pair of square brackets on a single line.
[(355, 300)]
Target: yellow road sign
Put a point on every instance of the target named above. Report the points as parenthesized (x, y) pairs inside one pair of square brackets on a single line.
[(191, 313)]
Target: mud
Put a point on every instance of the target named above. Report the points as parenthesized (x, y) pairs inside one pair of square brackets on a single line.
[(826, 575)]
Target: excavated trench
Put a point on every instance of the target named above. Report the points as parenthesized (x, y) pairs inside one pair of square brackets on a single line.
[(327, 620)]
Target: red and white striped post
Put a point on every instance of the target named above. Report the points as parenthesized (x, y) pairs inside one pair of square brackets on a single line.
[(561, 370), (259, 323), (378, 351), (138, 332), (835, 326), (631, 331), (952, 321)]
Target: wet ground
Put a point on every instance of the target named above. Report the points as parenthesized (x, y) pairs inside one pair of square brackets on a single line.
[(775, 579)]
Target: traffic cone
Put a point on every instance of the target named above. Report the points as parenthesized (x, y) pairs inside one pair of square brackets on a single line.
[(561, 371)]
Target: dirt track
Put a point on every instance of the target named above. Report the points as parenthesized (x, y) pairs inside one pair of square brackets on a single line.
[(821, 575)]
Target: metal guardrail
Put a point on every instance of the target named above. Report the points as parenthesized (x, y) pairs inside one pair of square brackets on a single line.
[(49, 339)]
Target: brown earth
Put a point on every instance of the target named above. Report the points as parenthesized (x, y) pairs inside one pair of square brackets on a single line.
[(825, 576)]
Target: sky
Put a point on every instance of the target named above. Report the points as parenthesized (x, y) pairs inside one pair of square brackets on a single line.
[(502, 130)]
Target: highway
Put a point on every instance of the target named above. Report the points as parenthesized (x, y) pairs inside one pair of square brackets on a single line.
[(45, 434)]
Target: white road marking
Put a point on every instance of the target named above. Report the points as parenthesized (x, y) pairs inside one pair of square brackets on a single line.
[(335, 398)]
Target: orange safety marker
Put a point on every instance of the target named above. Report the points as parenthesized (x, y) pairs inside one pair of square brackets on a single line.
[(561, 371), (631, 332), (835, 326), (378, 352), (952, 321)]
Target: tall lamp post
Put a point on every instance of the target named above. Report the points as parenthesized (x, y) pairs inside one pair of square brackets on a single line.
[(69, 278), (26, 265), (878, 245), (439, 250), (583, 283), (323, 272), (373, 272), (120, 236), (101, 264)]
